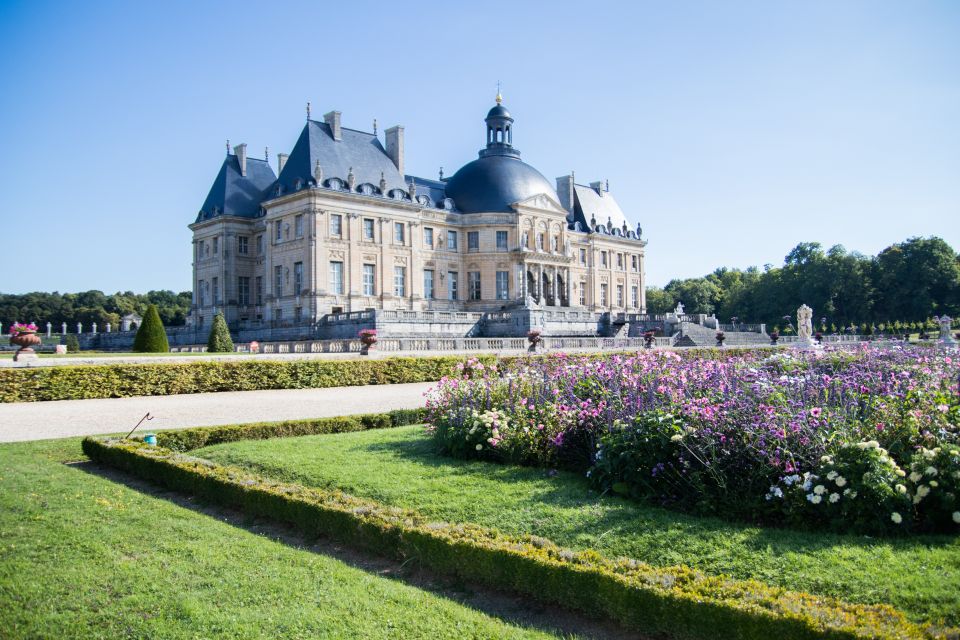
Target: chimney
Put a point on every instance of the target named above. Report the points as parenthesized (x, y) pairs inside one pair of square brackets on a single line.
[(598, 187), (565, 191), (333, 119), (281, 161), (241, 152), (394, 137)]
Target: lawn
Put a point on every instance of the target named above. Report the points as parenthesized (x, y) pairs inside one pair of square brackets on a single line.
[(919, 575), (83, 555)]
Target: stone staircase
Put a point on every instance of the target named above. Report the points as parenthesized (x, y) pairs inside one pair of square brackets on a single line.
[(695, 335)]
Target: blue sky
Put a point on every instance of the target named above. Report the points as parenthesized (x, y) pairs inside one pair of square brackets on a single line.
[(730, 130)]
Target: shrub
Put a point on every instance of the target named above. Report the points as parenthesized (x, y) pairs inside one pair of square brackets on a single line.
[(934, 483), (72, 343), (151, 336), (219, 340), (675, 600)]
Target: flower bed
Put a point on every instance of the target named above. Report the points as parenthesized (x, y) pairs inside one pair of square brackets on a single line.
[(863, 440)]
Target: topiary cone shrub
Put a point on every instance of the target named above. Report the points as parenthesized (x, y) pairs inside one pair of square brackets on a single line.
[(151, 336), (219, 340)]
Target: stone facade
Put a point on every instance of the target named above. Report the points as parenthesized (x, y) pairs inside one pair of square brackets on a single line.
[(320, 244)]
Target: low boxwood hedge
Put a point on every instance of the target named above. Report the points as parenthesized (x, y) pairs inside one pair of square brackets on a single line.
[(676, 601), (197, 437)]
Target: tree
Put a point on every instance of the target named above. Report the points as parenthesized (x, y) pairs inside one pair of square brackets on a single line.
[(219, 340), (151, 336), (659, 301)]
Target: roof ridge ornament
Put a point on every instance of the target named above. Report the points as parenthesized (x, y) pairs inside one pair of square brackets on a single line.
[(374, 126), (308, 109), (318, 173), (383, 184), (266, 154), (228, 146), (499, 96), (351, 179)]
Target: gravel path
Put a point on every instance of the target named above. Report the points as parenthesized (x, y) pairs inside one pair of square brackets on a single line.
[(21, 421)]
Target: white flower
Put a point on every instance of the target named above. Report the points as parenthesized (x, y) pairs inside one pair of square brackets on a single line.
[(901, 472), (846, 491), (676, 438), (816, 499), (841, 481), (826, 459), (923, 491), (479, 447), (934, 483), (832, 475), (956, 517), (819, 489), (834, 497), (873, 444), (901, 488), (853, 494), (930, 471), (896, 517), (916, 476)]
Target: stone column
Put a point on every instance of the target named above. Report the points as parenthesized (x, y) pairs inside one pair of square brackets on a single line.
[(94, 330), (79, 328), (108, 327), (49, 329), (63, 328), (539, 284)]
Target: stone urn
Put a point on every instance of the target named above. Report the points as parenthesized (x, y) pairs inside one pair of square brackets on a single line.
[(368, 338), (26, 340), (534, 337)]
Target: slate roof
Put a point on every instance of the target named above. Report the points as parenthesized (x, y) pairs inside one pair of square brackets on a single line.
[(436, 190), (590, 204), (233, 194), (357, 149)]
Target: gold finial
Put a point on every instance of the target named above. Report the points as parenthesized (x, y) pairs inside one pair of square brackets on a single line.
[(499, 97)]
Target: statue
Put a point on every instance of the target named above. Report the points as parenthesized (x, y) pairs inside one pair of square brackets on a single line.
[(945, 322), (804, 324), (679, 309)]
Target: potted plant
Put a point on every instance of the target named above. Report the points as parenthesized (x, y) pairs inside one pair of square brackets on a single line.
[(24, 336), (818, 336), (648, 339), (774, 336), (534, 337), (368, 338), (721, 336)]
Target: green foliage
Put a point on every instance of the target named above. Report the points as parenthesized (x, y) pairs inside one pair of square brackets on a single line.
[(934, 483), (72, 343), (151, 336), (189, 439), (677, 600), (219, 340), (909, 281), (29, 384), (93, 306)]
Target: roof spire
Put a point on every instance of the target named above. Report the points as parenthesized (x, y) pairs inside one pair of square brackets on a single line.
[(499, 97), (308, 110)]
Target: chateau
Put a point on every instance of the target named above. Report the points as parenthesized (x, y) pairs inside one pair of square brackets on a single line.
[(341, 227)]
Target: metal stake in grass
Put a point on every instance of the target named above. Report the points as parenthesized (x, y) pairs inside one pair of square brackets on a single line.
[(146, 416)]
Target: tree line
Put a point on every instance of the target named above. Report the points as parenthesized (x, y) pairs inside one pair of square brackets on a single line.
[(91, 306), (905, 285)]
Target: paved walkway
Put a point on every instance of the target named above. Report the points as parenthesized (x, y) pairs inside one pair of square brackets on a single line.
[(21, 421)]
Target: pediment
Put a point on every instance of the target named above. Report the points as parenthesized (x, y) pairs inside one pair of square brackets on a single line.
[(541, 201)]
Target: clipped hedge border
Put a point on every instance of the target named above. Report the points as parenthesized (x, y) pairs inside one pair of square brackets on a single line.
[(197, 437), (82, 382), (677, 601)]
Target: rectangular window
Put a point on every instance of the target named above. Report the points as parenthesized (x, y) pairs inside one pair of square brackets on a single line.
[(428, 237), (201, 293), (278, 315), (368, 229), (398, 232), (297, 278), (473, 241), (336, 278), (633, 262), (216, 291), (635, 296), (278, 230), (451, 240), (336, 225), (540, 242), (619, 261), (298, 225), (369, 280), (277, 281), (243, 245), (473, 278), (603, 258), (399, 281), (428, 284), (298, 314), (216, 245), (501, 240), (503, 285), (243, 291), (260, 245), (603, 294), (583, 256), (452, 284), (619, 295), (583, 294), (555, 243), (259, 290)]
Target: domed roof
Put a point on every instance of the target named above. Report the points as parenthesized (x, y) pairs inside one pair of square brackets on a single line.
[(499, 111), (494, 182)]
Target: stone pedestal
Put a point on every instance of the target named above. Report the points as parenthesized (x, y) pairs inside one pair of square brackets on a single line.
[(26, 357)]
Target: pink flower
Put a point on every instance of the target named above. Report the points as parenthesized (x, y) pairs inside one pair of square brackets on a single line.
[(815, 412)]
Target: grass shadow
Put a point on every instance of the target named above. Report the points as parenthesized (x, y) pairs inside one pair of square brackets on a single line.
[(508, 607)]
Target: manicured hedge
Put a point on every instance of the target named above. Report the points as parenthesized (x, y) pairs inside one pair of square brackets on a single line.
[(197, 437), (675, 601), (162, 379)]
